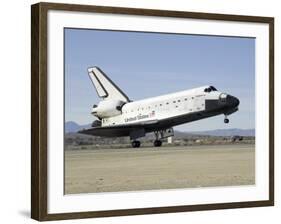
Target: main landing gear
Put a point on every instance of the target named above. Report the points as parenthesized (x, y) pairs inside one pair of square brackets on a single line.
[(136, 144), (157, 143), (159, 135)]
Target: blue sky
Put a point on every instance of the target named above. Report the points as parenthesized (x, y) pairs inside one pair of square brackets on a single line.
[(150, 64)]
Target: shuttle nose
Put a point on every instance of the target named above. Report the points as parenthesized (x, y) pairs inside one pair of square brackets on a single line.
[(232, 101), (229, 101)]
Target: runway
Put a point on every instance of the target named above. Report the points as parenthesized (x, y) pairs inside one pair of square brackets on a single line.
[(112, 170)]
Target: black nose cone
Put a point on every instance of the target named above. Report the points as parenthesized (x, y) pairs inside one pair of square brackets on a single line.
[(232, 101)]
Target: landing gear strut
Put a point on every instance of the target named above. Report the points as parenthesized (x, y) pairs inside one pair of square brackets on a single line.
[(158, 136), (136, 144)]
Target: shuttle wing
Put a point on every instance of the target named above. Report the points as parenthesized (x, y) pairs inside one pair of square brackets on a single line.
[(119, 130), (105, 87)]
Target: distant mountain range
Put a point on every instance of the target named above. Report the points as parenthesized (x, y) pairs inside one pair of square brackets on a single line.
[(227, 132), (73, 127)]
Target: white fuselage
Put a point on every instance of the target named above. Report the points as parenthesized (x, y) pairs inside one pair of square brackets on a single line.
[(162, 107)]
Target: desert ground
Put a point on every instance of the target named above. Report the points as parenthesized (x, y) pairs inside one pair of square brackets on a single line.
[(149, 168)]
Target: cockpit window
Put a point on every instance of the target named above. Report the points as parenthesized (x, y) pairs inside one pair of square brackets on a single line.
[(210, 89), (207, 90), (213, 88)]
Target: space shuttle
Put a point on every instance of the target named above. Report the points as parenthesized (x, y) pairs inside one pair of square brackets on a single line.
[(117, 115)]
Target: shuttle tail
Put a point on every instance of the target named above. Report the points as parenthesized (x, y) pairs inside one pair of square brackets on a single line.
[(105, 87)]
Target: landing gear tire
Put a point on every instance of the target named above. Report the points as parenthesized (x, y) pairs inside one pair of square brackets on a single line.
[(136, 144), (226, 120), (157, 143)]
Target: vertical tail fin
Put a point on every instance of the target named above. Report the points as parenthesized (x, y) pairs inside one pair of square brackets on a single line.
[(105, 87)]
